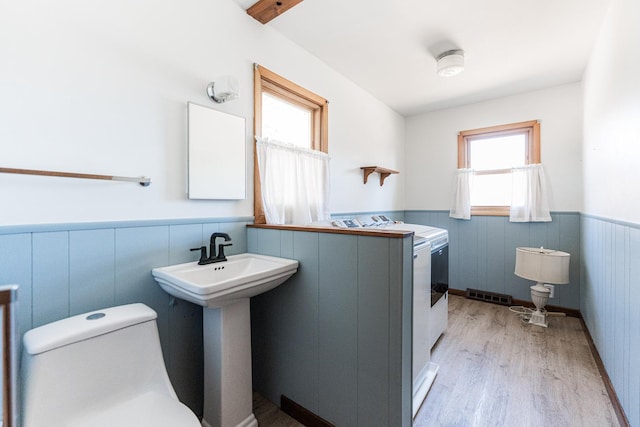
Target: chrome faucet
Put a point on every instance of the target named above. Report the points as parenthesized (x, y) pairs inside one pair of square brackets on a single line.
[(213, 256)]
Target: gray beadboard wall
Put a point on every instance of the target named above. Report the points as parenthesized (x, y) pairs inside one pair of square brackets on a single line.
[(482, 251), (69, 269), (609, 303), (336, 337)]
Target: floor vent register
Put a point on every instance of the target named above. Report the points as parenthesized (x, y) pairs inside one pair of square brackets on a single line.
[(489, 296)]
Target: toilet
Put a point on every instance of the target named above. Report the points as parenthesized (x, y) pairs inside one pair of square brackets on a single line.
[(99, 369)]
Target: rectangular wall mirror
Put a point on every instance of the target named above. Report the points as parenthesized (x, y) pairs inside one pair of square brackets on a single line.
[(217, 154)]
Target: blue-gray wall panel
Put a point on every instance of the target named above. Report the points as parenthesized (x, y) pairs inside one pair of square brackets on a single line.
[(619, 297), (182, 238), (184, 320), (271, 325), (237, 232), (338, 351), (50, 277), (373, 330), (138, 251), (285, 348), (286, 244), (496, 270), (269, 242), (252, 240), (401, 331), (569, 232), (610, 292), (482, 251), (324, 337), (91, 266), (467, 249), (304, 330), (66, 269), (632, 407), (15, 268), (516, 235), (207, 231)]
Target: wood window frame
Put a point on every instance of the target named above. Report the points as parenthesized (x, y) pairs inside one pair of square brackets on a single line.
[(532, 154), (267, 81)]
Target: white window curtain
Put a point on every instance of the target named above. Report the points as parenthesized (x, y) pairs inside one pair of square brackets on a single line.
[(294, 182), (529, 197), (461, 200)]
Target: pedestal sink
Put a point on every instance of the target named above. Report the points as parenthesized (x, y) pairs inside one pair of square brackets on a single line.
[(224, 289)]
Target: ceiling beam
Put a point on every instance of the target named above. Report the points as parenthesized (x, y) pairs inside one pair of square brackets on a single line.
[(266, 10)]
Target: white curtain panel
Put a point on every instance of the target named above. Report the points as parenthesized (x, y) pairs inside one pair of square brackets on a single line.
[(529, 197), (461, 200), (294, 182)]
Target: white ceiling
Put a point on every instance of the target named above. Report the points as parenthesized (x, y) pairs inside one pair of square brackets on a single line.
[(389, 47)]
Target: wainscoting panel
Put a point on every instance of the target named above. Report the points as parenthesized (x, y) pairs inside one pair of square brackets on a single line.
[(609, 303), (335, 338), (482, 251), (68, 269), (91, 267), (338, 294), (50, 277), (373, 311), (15, 268)]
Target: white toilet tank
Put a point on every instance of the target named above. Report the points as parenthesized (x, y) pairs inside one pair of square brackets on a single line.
[(103, 368)]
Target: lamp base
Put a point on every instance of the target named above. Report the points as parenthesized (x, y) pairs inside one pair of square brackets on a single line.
[(539, 296), (539, 318)]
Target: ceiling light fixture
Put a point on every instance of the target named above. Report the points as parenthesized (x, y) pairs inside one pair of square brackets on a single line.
[(450, 63)]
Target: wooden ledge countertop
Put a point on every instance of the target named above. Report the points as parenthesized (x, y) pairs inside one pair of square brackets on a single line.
[(375, 232)]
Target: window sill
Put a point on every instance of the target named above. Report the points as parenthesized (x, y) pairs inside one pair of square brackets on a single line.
[(490, 210)]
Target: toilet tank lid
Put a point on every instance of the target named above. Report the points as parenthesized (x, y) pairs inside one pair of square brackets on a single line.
[(84, 326)]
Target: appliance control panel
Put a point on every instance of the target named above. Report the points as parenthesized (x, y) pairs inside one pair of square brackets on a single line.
[(364, 221), (346, 223)]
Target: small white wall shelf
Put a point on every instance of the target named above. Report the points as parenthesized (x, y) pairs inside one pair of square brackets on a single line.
[(384, 173)]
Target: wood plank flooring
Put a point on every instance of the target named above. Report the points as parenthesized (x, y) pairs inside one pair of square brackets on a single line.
[(269, 415), (497, 371)]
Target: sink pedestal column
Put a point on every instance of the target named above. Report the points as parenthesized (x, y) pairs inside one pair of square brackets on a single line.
[(228, 400)]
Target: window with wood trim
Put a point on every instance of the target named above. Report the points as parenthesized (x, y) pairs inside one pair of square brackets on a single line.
[(491, 152), (288, 112)]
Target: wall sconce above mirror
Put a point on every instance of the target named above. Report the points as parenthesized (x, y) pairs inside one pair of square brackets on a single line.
[(223, 89)]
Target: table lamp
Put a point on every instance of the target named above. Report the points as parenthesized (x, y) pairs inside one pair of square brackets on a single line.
[(542, 266)]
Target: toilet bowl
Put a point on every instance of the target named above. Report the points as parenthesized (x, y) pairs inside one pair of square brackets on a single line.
[(99, 369)]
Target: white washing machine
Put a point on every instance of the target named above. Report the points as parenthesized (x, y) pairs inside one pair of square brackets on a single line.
[(430, 302)]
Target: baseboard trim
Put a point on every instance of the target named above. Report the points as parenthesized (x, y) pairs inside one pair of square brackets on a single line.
[(302, 414), (608, 385)]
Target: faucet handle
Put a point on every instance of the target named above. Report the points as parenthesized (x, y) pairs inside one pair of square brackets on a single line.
[(203, 253), (221, 256)]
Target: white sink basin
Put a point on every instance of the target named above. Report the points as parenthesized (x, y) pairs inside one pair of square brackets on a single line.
[(214, 285)]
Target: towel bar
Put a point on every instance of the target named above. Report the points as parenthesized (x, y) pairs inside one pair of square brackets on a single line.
[(142, 180)]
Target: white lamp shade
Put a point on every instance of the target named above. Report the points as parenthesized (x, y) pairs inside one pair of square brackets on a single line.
[(223, 89), (542, 265), (226, 87)]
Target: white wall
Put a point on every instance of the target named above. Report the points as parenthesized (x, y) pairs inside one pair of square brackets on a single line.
[(101, 87), (612, 117), (431, 144)]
